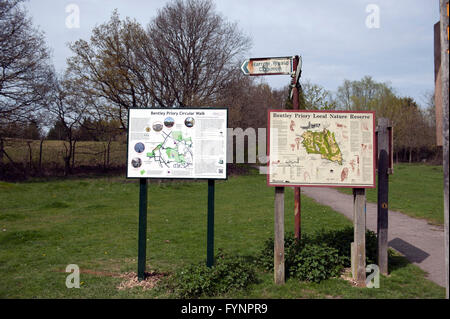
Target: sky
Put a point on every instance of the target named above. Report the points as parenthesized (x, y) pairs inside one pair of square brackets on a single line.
[(390, 40)]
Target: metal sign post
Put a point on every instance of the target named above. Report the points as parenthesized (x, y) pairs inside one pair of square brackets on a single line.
[(210, 231), (142, 241)]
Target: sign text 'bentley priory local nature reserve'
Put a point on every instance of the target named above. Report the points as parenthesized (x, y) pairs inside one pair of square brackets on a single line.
[(321, 148)]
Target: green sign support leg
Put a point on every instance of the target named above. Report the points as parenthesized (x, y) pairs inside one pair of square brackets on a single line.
[(142, 241), (210, 233)]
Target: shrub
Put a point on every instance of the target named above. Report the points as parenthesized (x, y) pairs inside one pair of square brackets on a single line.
[(339, 240), (316, 263), (230, 273)]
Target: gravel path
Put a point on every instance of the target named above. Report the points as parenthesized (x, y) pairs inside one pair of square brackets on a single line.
[(420, 242)]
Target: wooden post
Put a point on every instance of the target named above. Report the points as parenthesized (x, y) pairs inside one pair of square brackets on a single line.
[(279, 237), (444, 16), (383, 194), (297, 190), (359, 246)]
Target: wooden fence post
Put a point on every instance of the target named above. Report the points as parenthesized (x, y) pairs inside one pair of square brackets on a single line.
[(359, 245), (444, 19), (383, 194), (279, 237)]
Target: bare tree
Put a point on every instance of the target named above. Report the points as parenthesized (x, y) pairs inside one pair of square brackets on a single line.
[(25, 70), (68, 109), (193, 53), (107, 71), (185, 57)]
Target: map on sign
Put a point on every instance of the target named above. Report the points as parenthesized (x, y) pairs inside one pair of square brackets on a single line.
[(173, 149), (321, 148), (323, 143), (177, 143)]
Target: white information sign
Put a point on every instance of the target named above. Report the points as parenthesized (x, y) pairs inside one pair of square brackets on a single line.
[(177, 143), (268, 66), (321, 148)]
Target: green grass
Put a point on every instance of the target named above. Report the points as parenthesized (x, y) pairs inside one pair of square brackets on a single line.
[(416, 190), (44, 226)]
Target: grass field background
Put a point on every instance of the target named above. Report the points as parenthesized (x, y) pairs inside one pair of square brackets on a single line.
[(414, 189), (46, 225)]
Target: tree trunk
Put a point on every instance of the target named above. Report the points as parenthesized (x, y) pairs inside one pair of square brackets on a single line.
[(73, 154), (40, 156), (67, 157), (2, 146), (104, 157), (30, 155), (108, 153), (410, 155)]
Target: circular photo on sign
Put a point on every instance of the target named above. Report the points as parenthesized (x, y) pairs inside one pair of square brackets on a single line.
[(139, 147), (157, 126), (169, 122), (136, 162), (189, 122), (147, 129)]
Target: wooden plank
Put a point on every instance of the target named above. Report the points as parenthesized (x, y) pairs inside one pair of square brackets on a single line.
[(359, 221), (383, 195), (279, 237), (444, 18)]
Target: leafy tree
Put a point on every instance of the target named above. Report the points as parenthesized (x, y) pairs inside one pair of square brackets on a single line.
[(361, 95), (311, 96)]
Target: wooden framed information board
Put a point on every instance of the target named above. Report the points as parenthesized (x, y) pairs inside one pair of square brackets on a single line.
[(321, 148)]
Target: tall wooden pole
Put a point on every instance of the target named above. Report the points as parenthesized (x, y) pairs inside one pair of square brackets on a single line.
[(444, 15), (383, 194), (279, 237), (297, 190)]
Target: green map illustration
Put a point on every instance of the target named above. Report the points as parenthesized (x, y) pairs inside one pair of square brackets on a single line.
[(323, 143), (173, 149)]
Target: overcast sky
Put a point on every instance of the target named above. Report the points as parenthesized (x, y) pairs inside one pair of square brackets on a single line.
[(331, 36)]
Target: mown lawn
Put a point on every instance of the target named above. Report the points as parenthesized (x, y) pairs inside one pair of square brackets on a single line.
[(46, 225), (416, 190)]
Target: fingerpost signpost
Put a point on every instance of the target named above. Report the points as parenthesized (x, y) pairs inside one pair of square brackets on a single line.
[(290, 65)]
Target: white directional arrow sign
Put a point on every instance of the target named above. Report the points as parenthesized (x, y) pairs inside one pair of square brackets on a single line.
[(268, 66)]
